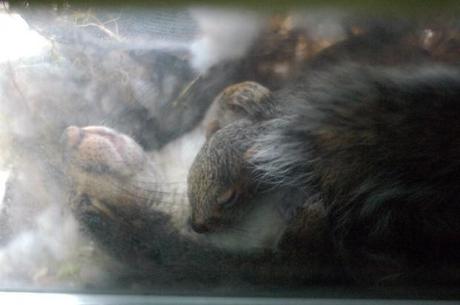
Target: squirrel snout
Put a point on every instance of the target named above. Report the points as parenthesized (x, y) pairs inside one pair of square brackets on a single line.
[(199, 227)]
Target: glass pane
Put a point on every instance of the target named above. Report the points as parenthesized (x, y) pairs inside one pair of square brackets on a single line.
[(229, 151)]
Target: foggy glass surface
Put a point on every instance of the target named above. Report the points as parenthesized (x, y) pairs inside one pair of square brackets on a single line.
[(77, 202)]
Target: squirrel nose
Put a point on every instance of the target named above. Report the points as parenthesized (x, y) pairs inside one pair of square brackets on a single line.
[(199, 227)]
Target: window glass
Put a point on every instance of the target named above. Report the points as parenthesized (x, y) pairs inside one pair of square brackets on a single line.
[(228, 151)]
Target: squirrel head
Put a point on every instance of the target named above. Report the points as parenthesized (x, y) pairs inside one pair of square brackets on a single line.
[(104, 164), (220, 180)]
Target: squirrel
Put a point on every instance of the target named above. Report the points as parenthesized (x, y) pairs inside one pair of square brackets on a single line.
[(128, 203), (374, 147), (119, 199), (288, 195), (309, 138)]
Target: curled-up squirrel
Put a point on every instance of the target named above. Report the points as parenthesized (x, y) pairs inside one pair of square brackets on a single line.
[(124, 203), (287, 139), (376, 148), (283, 189)]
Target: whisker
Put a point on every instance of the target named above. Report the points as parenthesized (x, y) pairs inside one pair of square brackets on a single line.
[(152, 196), (141, 181), (238, 230)]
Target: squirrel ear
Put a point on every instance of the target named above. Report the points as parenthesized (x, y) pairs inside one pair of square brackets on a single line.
[(250, 99), (211, 128)]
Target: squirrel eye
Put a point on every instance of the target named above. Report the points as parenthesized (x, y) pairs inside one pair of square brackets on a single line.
[(228, 198)]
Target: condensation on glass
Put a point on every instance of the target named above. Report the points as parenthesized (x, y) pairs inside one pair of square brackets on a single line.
[(103, 111)]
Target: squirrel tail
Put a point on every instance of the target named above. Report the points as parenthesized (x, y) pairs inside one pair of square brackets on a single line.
[(395, 119)]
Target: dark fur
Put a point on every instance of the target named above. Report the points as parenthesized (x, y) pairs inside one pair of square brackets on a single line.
[(374, 148), (380, 146), (155, 250)]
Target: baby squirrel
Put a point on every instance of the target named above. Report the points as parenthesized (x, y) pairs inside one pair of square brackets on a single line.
[(374, 148), (225, 193), (348, 143), (304, 159), (123, 203)]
